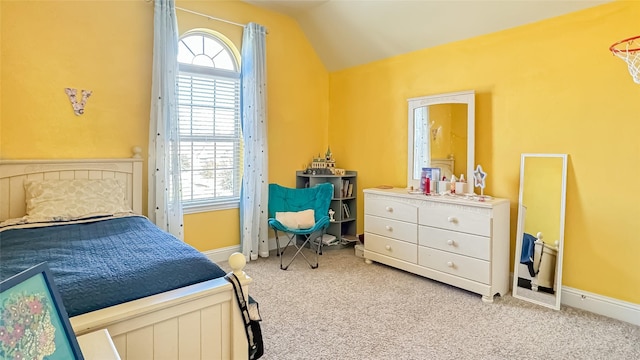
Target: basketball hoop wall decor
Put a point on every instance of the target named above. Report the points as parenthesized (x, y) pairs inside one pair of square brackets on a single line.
[(629, 51)]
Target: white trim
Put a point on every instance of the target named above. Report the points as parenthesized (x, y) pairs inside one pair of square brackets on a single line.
[(221, 254), (602, 305), (210, 206), (598, 304)]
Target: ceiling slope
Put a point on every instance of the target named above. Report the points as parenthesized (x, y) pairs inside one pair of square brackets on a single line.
[(348, 33)]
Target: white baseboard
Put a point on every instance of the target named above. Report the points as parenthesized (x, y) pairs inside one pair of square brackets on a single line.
[(222, 254), (598, 304), (602, 305)]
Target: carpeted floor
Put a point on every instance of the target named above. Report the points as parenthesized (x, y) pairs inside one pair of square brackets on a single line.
[(346, 309)]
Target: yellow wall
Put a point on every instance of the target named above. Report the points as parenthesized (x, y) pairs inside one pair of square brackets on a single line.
[(542, 195), (459, 136), (440, 118), (550, 87), (452, 137), (102, 46), (106, 47)]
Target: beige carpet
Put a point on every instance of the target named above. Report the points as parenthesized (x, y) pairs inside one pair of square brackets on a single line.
[(346, 309)]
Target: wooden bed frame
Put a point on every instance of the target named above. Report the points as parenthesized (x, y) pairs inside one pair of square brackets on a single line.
[(200, 321)]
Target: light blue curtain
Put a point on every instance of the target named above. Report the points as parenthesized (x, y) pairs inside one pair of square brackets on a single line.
[(254, 192), (165, 207)]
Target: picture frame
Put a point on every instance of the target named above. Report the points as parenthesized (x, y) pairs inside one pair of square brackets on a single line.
[(34, 323)]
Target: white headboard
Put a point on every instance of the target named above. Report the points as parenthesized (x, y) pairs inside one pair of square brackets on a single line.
[(14, 172)]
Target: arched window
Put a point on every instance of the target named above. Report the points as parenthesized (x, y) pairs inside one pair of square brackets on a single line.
[(209, 122)]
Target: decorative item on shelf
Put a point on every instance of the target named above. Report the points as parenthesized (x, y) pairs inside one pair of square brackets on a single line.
[(479, 178), (338, 172), (331, 163), (318, 163), (323, 165), (331, 213)]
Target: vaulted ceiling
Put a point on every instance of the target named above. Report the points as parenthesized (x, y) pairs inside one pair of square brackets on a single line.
[(347, 33)]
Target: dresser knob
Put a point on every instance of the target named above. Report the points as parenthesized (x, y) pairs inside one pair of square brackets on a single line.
[(389, 208), (452, 219), (450, 264), (388, 247), (450, 242), (388, 227)]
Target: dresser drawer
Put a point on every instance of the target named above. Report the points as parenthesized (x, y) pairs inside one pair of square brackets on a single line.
[(456, 242), (391, 228), (468, 219), (458, 265), (391, 209), (395, 248)]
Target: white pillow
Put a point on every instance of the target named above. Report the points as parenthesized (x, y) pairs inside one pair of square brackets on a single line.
[(74, 198), (304, 219)]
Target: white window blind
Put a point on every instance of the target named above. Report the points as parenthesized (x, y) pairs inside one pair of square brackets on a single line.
[(208, 107), (209, 127)]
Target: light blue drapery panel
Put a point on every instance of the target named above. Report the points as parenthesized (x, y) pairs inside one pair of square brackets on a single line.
[(165, 207), (254, 192)]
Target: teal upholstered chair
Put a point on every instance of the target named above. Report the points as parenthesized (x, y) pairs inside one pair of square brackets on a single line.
[(287, 203)]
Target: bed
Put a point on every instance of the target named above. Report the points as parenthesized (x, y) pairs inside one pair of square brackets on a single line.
[(195, 317)]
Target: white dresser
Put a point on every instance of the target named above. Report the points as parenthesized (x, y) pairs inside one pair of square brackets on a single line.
[(461, 242)]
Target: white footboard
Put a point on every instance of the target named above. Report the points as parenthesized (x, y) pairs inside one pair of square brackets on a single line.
[(201, 321)]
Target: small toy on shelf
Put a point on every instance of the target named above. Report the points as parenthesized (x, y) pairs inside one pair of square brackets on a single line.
[(323, 165)]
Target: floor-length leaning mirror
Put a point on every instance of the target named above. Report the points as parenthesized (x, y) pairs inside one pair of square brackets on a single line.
[(537, 275)]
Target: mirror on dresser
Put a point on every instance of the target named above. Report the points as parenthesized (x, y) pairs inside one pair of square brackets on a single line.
[(441, 134), (537, 275)]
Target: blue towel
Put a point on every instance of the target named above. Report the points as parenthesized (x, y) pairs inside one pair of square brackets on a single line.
[(528, 246)]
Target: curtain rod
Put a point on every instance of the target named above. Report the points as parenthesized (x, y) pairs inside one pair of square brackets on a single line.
[(210, 17)]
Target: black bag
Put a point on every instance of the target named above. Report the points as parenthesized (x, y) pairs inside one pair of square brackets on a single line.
[(251, 317), (256, 351)]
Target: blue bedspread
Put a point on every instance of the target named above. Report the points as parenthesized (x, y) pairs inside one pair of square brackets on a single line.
[(104, 263)]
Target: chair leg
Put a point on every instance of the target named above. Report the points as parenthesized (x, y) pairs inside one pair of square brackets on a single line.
[(281, 250), (299, 249)]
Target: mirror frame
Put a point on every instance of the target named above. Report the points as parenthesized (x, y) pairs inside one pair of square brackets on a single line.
[(462, 97), (520, 231)]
